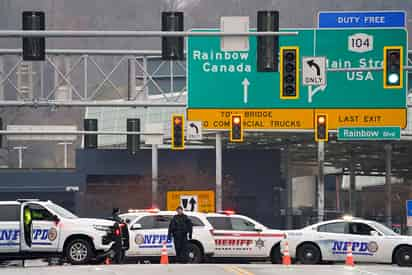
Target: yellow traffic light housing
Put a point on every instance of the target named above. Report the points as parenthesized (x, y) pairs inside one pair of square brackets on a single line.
[(289, 73), (321, 127), (393, 67), (178, 133), (236, 128)]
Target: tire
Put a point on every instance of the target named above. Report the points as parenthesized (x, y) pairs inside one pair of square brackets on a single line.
[(403, 256), (308, 254), (194, 254), (79, 251), (275, 255)]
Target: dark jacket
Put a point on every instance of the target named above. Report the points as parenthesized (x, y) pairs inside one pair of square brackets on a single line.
[(179, 226)]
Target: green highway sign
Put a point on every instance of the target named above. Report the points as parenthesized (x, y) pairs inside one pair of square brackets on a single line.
[(369, 133), (229, 80)]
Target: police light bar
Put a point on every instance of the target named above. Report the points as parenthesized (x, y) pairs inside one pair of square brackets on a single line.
[(149, 210), (227, 212), (347, 217)]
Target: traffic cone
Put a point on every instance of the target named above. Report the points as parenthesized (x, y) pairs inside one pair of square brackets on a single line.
[(349, 256), (107, 261), (286, 257), (164, 258)]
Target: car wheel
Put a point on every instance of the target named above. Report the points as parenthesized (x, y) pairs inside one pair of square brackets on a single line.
[(194, 254), (403, 256), (308, 254), (79, 251), (275, 255)]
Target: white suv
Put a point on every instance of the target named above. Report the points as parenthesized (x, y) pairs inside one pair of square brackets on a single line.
[(238, 237), (148, 230), (41, 229)]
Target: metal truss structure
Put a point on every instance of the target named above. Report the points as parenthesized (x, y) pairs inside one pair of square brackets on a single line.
[(71, 85)]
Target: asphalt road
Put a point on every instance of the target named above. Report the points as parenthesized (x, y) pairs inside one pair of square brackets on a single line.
[(224, 269)]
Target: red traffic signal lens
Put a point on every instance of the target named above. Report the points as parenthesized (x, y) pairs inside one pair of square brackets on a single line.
[(321, 119), (236, 120), (177, 120)]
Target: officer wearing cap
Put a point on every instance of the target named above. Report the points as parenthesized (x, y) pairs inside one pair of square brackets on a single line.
[(181, 229)]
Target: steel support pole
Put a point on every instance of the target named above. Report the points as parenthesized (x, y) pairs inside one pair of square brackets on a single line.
[(145, 79), (321, 181), (131, 87), (352, 187), (85, 78), (289, 193), (20, 152), (1, 78), (388, 184), (219, 204), (155, 175)]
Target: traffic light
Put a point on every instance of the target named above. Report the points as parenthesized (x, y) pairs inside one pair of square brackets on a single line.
[(178, 134), (236, 128), (34, 48), (393, 67), (172, 47), (289, 72), (321, 128), (90, 140), (268, 46), (133, 141)]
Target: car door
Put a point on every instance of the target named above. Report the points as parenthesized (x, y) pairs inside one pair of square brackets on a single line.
[(333, 240), (235, 237), (367, 247), (45, 231), (9, 228), (148, 234)]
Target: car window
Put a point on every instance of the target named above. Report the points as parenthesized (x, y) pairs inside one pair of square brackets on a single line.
[(147, 222), (220, 223), (9, 213), (162, 221), (39, 213), (358, 228), (240, 224), (196, 221), (336, 227)]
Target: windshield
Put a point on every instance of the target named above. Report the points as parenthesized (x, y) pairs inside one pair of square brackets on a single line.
[(385, 230), (60, 211)]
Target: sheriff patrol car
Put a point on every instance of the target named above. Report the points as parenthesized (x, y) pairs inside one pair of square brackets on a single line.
[(329, 241), (240, 237), (215, 236), (41, 229), (148, 231)]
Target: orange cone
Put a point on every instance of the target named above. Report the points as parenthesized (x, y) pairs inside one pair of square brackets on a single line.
[(286, 257), (164, 258), (107, 261), (349, 256)]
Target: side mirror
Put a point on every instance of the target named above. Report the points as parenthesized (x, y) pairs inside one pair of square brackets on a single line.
[(56, 219), (374, 233), (136, 226)]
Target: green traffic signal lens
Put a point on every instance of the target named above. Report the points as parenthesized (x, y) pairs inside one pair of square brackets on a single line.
[(393, 78)]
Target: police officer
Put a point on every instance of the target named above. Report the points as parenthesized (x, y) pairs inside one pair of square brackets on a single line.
[(180, 228), (118, 245)]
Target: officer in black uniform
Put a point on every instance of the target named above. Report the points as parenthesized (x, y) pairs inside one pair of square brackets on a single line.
[(118, 245), (180, 228)]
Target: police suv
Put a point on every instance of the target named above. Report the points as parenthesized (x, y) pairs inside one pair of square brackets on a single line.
[(329, 241), (148, 231), (242, 238), (215, 236), (40, 229)]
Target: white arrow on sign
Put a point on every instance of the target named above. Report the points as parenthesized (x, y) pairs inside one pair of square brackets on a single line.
[(245, 84), (311, 92)]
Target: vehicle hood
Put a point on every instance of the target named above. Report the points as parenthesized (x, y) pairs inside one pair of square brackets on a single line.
[(87, 221)]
